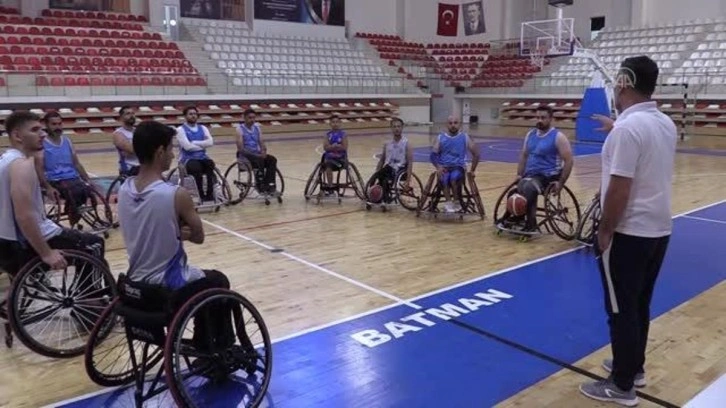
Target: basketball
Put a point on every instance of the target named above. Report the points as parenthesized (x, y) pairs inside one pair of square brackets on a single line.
[(517, 205), (375, 193)]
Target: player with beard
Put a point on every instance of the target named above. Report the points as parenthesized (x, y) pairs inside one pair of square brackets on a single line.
[(546, 159), (59, 170), (122, 137), (193, 141)]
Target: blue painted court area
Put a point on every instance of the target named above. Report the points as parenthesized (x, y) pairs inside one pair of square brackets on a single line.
[(477, 344), (506, 150)]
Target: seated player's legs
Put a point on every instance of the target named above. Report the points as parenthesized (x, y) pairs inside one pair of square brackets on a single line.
[(199, 168), (332, 164), (214, 324), (75, 194), (265, 172), (531, 187), (451, 180), (385, 177)]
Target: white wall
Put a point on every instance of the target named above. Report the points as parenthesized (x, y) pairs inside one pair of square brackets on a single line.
[(372, 16), (308, 30), (616, 13), (156, 11), (655, 11), (10, 3), (422, 20)]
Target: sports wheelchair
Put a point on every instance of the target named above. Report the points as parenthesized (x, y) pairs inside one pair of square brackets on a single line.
[(469, 198), (52, 312), (316, 184), (222, 192), (149, 329), (407, 198), (558, 213), (587, 227), (243, 175), (96, 212)]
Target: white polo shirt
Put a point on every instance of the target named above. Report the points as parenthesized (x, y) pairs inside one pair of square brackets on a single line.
[(642, 146)]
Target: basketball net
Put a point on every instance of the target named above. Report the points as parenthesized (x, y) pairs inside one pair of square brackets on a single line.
[(537, 57)]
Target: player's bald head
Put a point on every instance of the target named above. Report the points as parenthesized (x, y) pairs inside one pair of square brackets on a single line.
[(453, 124)]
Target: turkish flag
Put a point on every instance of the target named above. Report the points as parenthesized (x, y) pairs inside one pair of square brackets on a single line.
[(448, 20)]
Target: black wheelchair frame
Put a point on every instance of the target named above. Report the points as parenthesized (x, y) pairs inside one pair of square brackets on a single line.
[(553, 215), (187, 182), (151, 332), (314, 186), (246, 181), (33, 284), (587, 228), (100, 220), (399, 195), (469, 198)]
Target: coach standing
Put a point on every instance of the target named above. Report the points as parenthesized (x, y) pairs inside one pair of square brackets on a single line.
[(635, 227)]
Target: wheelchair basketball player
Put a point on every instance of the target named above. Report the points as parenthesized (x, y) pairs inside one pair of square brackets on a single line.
[(156, 218), (546, 158), (397, 156), (60, 172)]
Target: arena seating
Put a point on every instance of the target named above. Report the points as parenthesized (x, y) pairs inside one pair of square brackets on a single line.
[(272, 63), (74, 51), (475, 65), (692, 52), (274, 116)]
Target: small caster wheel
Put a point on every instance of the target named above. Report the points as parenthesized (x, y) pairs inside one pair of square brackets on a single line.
[(279, 200), (105, 234), (384, 209), (216, 209), (267, 201), (368, 207), (340, 200)]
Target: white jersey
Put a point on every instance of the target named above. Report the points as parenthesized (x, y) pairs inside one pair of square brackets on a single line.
[(127, 160), (150, 228), (396, 153), (642, 146), (8, 227)]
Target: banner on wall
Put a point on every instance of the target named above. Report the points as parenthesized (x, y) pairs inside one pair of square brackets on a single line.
[(213, 9), (474, 18), (448, 20), (88, 5), (322, 12)]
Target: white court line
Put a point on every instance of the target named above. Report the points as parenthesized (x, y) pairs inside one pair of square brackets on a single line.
[(310, 264), (409, 302), (712, 396), (398, 301), (704, 219)]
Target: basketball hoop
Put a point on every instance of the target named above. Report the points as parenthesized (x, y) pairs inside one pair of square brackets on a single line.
[(537, 57)]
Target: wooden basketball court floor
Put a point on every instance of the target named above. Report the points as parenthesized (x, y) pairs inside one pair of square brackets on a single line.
[(377, 309)]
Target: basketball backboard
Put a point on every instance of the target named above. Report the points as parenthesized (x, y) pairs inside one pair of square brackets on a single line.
[(549, 37)]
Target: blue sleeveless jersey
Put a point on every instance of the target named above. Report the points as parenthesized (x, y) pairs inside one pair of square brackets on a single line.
[(58, 160), (193, 136), (251, 138), (542, 155), (452, 150), (336, 137)]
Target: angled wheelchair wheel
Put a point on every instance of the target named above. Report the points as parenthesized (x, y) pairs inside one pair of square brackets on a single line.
[(239, 178), (355, 180), (111, 358), (98, 215), (587, 227), (476, 205), (562, 212), (53, 312), (224, 194), (242, 365), (427, 202), (111, 197), (312, 186), (409, 198)]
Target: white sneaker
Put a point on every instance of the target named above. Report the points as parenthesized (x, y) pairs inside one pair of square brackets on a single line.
[(448, 207)]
